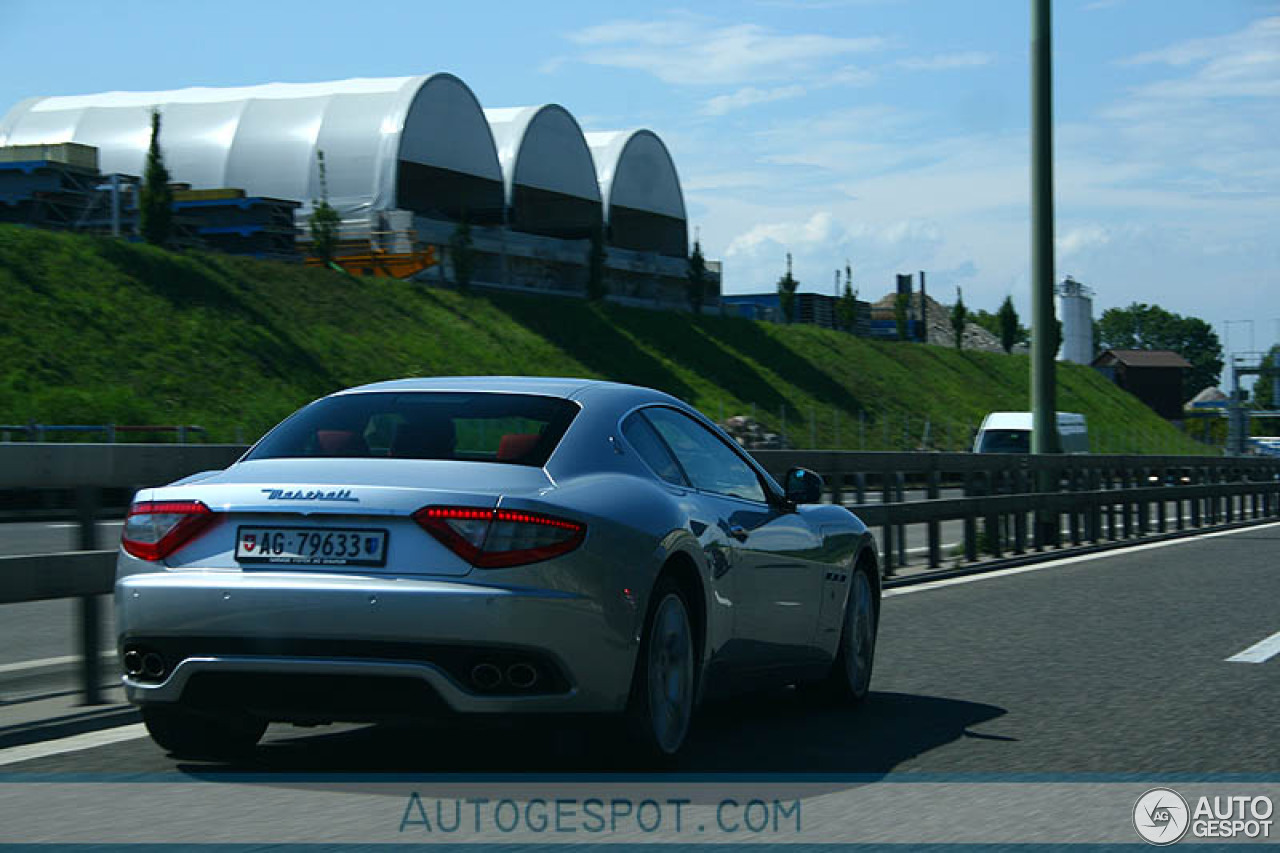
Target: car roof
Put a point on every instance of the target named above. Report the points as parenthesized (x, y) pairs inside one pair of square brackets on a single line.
[(1022, 420), (547, 386)]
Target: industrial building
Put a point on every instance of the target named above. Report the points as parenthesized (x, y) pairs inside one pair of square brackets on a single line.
[(815, 309), (1075, 309), (1153, 376), (417, 153)]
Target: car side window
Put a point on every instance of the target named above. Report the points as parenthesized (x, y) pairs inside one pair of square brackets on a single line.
[(710, 464), (641, 436)]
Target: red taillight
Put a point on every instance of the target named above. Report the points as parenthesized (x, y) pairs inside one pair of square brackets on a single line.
[(499, 538), (155, 529)]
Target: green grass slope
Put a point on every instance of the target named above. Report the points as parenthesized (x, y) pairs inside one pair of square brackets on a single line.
[(94, 330)]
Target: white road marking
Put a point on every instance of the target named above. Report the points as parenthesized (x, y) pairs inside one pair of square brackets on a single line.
[(41, 663), (1259, 652), (74, 743), (1066, 561)]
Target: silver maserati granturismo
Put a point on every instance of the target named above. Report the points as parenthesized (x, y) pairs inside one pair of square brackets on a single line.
[(486, 545)]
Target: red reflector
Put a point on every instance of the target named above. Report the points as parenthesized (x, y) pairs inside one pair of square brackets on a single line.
[(500, 538), (155, 529)]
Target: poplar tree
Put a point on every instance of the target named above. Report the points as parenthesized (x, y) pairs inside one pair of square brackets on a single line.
[(155, 202)]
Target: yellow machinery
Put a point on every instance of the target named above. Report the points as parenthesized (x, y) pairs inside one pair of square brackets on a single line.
[(368, 257)]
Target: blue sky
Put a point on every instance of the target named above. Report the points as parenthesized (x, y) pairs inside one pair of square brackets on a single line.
[(889, 133)]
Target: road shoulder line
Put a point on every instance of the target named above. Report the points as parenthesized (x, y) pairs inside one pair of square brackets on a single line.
[(979, 574)]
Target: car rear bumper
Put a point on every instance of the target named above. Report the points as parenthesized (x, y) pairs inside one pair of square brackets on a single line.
[(233, 637)]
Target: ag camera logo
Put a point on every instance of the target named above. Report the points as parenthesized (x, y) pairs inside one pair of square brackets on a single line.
[(1161, 816)]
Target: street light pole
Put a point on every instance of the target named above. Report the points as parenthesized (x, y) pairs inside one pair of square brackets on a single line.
[(1044, 428)]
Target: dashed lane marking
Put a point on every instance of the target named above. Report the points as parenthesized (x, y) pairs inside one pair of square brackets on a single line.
[(74, 743), (1259, 652)]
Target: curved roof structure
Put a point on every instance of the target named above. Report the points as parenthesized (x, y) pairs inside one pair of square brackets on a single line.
[(417, 143), (550, 176), (420, 143), (644, 205)]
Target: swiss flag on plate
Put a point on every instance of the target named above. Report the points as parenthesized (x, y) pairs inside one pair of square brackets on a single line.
[(249, 542)]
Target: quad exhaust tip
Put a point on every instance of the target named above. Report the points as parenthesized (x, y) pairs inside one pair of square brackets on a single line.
[(486, 676), (518, 676), (522, 675), (133, 662), (152, 665)]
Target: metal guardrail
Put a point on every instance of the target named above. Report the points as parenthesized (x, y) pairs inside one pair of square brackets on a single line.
[(37, 432), (998, 491), (89, 573), (1104, 498)]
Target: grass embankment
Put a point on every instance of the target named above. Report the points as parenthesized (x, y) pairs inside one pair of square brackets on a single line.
[(95, 330)]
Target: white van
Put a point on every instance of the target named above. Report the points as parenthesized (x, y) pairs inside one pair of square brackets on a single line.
[(1010, 432)]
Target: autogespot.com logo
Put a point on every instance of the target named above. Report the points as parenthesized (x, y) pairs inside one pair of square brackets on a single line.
[(1161, 816)]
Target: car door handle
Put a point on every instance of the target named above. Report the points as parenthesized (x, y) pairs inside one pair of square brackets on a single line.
[(737, 531)]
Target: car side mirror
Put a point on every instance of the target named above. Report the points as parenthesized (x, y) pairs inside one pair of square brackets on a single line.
[(803, 486)]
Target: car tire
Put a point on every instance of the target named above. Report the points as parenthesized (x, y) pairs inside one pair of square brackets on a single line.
[(849, 681), (665, 683), (187, 733)]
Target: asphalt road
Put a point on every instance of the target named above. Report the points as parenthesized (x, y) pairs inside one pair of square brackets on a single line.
[(1113, 663)]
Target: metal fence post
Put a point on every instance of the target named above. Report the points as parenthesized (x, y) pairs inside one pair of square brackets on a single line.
[(933, 492), (970, 522), (1095, 508), (900, 488), (1144, 509), (89, 607), (1196, 478), (991, 522), (886, 497), (1020, 517)]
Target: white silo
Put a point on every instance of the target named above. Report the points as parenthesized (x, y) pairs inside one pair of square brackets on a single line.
[(1075, 309)]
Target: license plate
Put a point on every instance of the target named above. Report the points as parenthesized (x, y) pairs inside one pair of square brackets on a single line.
[(312, 546)]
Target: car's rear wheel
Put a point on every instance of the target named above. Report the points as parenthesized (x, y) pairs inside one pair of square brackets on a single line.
[(188, 733), (662, 696), (850, 676)]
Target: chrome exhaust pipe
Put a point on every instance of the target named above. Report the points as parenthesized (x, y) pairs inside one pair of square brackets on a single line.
[(486, 676), (522, 675), (152, 665), (133, 662)]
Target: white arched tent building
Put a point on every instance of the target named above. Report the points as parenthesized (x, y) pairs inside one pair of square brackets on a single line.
[(420, 148), (643, 202), (419, 143), (550, 178)]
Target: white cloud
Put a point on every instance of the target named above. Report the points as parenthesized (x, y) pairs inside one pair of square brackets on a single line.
[(749, 96), (947, 61), (1172, 185), (689, 50), (1243, 64), (822, 242), (1259, 34), (1081, 239)]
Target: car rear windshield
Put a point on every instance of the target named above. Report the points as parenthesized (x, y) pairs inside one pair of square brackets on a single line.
[(516, 429), (1005, 441)]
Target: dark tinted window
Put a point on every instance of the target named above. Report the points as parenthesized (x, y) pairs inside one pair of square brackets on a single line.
[(517, 429), (707, 461), (641, 436), (1005, 441)]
